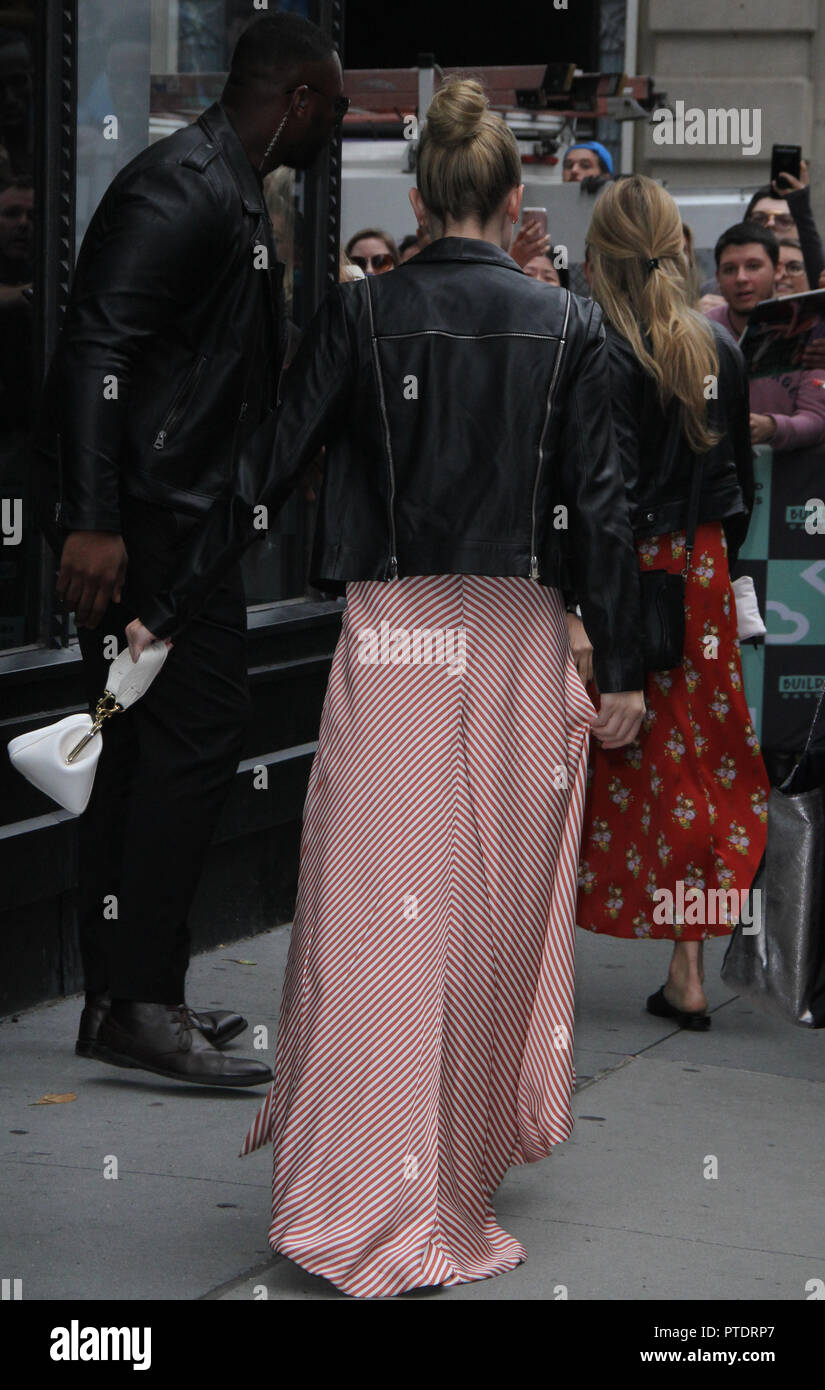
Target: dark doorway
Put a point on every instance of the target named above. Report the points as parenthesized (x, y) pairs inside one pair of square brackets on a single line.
[(465, 35)]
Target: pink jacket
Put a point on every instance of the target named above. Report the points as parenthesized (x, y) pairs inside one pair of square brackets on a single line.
[(793, 401)]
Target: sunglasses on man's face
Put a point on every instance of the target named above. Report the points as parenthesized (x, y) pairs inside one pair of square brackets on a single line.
[(781, 220), (340, 105), (377, 264)]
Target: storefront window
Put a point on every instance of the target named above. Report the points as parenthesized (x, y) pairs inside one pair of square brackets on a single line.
[(144, 69), (19, 550), (156, 65)]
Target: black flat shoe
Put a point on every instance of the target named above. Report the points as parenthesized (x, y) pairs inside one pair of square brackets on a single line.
[(660, 1006)]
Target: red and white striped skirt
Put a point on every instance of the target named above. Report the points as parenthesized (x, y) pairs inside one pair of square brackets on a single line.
[(426, 1024)]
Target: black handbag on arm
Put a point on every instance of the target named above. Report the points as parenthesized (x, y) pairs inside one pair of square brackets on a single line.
[(663, 596)]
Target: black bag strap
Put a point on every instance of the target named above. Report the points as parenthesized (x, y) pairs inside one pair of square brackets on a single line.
[(693, 512), (809, 772)]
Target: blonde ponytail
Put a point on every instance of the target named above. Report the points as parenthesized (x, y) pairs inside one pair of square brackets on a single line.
[(468, 159), (639, 278)]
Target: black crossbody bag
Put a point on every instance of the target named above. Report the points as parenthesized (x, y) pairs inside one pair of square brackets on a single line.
[(663, 597)]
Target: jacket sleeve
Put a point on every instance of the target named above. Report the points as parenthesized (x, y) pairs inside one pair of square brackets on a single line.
[(804, 427), (602, 551), (316, 389), (736, 406), (151, 250), (799, 202)]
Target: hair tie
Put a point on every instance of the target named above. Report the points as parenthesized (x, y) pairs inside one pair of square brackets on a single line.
[(653, 263)]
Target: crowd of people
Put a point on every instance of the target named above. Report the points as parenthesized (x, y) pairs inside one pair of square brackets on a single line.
[(775, 251), (504, 461)]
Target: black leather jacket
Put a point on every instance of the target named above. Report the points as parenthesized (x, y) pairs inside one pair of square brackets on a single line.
[(174, 335), (464, 410), (656, 458)]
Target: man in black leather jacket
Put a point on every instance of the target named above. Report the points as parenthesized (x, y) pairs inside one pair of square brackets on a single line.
[(427, 470), (169, 357)]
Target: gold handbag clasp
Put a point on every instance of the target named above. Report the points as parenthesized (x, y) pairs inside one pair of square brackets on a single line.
[(106, 705)]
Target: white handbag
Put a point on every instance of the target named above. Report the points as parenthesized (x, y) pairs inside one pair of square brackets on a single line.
[(61, 759), (748, 618)]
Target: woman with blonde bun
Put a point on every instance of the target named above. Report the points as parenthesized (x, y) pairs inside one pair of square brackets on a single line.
[(426, 1025)]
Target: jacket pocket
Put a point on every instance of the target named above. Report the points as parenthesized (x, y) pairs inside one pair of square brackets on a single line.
[(180, 401)]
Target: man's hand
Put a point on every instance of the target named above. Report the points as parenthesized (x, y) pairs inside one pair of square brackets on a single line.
[(12, 295), (619, 718), (528, 242), (580, 647), (791, 183), (139, 638), (92, 571), (763, 429), (709, 301)]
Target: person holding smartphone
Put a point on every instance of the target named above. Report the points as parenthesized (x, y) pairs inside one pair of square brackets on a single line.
[(784, 207)]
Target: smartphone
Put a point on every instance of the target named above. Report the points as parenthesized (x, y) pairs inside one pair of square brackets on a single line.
[(535, 215), (785, 159)]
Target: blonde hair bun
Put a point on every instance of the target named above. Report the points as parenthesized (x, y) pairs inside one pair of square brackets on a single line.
[(457, 111), (468, 159)]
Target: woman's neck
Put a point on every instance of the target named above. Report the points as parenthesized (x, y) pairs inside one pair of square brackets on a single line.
[(470, 227)]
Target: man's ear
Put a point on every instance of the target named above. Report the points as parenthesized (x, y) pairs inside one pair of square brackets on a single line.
[(299, 100)]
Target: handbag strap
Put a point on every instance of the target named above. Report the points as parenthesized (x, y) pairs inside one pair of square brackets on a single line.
[(693, 513), (817, 721)]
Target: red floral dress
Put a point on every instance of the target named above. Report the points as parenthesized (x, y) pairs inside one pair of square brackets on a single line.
[(689, 799)]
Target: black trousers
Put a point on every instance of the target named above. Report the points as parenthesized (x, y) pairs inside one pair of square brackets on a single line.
[(165, 769)]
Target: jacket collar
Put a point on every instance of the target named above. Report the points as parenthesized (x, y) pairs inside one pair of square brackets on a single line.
[(464, 248), (217, 125)]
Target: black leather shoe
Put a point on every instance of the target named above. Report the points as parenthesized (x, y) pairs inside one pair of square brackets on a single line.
[(94, 1012), (165, 1039), (219, 1026)]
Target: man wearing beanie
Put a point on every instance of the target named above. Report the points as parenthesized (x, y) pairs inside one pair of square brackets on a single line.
[(587, 159)]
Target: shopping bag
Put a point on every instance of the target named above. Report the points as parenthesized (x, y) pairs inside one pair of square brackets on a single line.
[(778, 962)]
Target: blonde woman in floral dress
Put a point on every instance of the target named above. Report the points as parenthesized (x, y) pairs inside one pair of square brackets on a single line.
[(688, 800)]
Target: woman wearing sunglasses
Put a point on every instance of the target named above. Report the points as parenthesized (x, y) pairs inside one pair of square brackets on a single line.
[(426, 1024), (373, 251)]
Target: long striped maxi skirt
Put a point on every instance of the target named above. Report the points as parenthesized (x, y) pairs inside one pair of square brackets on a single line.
[(426, 1022)]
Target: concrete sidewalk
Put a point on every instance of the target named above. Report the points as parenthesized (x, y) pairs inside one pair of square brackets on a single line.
[(623, 1210)]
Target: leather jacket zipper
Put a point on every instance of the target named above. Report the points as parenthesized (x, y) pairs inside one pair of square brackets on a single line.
[(534, 559), (392, 563), (180, 403), (58, 506)]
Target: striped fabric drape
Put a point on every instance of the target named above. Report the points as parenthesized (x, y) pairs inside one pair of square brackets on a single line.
[(426, 1024)]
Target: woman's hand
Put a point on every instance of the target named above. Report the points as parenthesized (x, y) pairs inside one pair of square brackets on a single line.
[(620, 717), (763, 429), (139, 638), (580, 647), (528, 242)]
